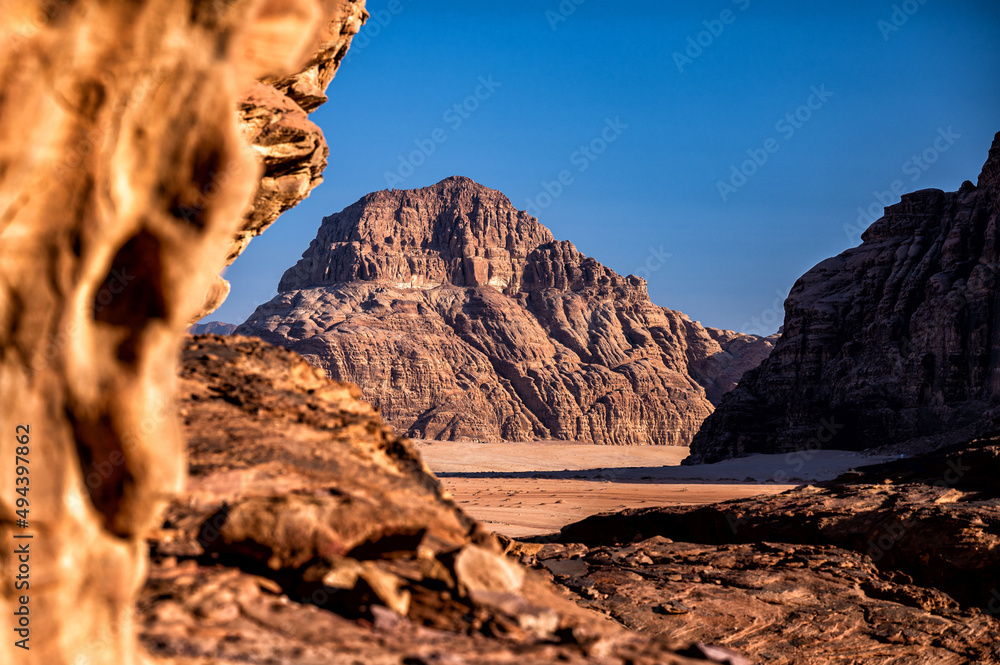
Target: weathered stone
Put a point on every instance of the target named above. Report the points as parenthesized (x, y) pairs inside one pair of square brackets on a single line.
[(894, 564), (123, 176), (291, 149), (312, 533), (480, 570)]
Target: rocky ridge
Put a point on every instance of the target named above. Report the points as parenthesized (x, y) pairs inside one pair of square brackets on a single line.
[(321, 537), (893, 343), (212, 328), (462, 318)]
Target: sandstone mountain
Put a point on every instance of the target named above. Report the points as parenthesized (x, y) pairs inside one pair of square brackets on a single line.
[(895, 342), (212, 328), (463, 318)]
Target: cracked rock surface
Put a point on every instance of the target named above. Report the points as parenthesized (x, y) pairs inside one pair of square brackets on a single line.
[(896, 563)]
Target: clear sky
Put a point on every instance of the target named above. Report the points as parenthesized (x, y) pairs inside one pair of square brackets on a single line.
[(645, 109)]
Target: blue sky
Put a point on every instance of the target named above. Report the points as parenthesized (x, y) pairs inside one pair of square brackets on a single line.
[(643, 110)]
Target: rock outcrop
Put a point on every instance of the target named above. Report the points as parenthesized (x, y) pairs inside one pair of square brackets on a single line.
[(895, 342), (312, 533), (463, 318), (291, 150), (123, 178), (274, 118), (898, 563)]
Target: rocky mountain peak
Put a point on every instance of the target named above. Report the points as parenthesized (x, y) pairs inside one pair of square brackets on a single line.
[(462, 318), (456, 232)]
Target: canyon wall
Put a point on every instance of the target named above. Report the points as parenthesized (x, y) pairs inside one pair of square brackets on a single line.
[(895, 342)]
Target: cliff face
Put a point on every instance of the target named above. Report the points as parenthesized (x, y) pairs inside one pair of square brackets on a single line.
[(896, 341), (462, 318), (291, 150), (274, 118)]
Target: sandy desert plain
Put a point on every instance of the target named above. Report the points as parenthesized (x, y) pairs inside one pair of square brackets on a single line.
[(535, 488)]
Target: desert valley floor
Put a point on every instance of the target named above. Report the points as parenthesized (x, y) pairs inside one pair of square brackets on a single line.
[(528, 489)]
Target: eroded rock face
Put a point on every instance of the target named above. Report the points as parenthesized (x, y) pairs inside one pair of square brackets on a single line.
[(718, 359), (274, 117), (894, 342), (313, 533), (462, 318), (898, 562), (123, 176), (290, 149)]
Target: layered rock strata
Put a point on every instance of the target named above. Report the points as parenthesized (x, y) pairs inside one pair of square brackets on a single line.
[(894, 342), (462, 318), (291, 150)]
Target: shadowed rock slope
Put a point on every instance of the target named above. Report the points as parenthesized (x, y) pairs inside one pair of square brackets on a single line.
[(892, 564), (894, 342), (463, 318), (312, 533)]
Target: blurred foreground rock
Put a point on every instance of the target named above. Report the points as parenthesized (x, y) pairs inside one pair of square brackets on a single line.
[(123, 177)]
